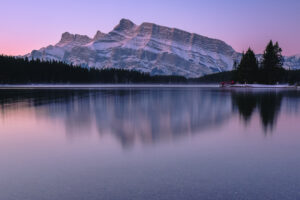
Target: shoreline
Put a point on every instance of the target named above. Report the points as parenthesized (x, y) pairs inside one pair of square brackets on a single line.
[(283, 86), (107, 86), (104, 86)]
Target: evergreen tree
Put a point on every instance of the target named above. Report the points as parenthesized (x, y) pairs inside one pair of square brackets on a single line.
[(248, 68), (272, 62), (235, 65), (234, 71)]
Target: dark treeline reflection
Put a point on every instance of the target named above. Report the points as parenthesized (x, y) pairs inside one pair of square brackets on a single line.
[(266, 102), (148, 115)]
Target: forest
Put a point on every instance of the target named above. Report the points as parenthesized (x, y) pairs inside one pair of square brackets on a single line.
[(23, 71)]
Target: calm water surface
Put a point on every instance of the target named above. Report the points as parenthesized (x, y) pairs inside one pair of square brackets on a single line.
[(149, 143)]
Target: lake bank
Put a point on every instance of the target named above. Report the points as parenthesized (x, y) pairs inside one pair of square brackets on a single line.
[(105, 86), (96, 86), (263, 86)]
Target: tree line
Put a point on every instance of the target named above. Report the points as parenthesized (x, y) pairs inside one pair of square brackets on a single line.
[(269, 70), (23, 71)]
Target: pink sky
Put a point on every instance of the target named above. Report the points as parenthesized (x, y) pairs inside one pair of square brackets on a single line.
[(32, 24)]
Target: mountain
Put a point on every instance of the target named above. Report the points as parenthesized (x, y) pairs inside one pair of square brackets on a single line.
[(292, 62), (148, 47)]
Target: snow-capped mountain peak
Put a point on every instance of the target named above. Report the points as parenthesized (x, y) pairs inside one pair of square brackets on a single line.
[(148, 47), (125, 25), (99, 35), (71, 39)]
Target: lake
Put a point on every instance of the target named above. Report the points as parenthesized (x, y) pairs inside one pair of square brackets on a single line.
[(150, 143)]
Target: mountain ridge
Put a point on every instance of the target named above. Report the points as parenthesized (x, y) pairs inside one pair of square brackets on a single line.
[(148, 47)]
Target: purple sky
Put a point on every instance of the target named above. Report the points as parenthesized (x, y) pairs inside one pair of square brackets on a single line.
[(32, 24)]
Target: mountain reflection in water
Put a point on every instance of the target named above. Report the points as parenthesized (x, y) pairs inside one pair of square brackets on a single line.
[(149, 115)]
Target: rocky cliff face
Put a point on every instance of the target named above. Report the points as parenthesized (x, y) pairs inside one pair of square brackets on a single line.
[(148, 48)]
